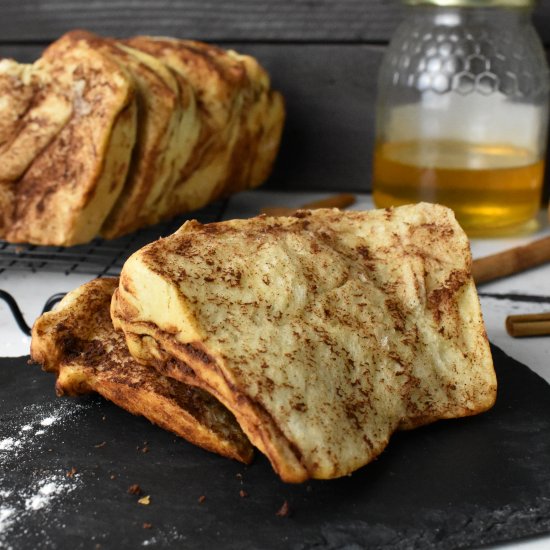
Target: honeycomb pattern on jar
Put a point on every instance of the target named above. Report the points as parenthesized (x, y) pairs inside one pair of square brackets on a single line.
[(466, 60)]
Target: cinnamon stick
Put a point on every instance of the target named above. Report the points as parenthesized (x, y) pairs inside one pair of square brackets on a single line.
[(511, 261), (535, 324), (335, 201)]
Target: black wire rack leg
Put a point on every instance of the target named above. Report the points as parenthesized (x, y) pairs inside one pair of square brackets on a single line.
[(52, 300), (16, 310)]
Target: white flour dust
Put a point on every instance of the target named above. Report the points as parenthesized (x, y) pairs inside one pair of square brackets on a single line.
[(48, 421), (7, 444), (23, 504), (46, 492), (27, 495), (19, 434), (6, 517), (165, 537)]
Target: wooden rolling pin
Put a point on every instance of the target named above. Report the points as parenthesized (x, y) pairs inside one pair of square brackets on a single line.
[(511, 261)]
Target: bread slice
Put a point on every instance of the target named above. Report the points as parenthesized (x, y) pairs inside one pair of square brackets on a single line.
[(168, 129), (208, 125), (78, 343), (260, 132), (70, 186), (323, 332), (241, 121), (33, 109)]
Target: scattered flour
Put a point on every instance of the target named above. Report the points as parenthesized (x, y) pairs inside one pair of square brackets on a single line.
[(30, 422), (7, 444), (6, 518), (25, 503), (165, 538), (25, 499), (49, 421), (46, 491), (35, 499)]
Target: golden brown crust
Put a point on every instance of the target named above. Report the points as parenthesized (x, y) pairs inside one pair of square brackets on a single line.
[(32, 111), (78, 343), (241, 121), (206, 121), (72, 183), (323, 332), (168, 129)]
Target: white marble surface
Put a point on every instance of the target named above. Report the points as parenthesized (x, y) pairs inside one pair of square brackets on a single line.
[(31, 290)]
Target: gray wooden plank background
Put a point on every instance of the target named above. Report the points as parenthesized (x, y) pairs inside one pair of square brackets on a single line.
[(217, 20), (323, 55)]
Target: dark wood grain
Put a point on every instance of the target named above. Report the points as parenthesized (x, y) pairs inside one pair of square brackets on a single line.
[(238, 20), (329, 134), (296, 20)]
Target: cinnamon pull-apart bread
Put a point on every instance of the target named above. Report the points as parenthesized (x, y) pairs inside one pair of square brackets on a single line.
[(77, 342), (167, 130), (103, 137), (33, 109), (241, 122), (76, 151), (323, 333)]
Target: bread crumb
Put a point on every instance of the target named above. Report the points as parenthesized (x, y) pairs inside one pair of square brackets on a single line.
[(72, 472), (146, 500), (134, 489), (243, 493), (202, 498), (284, 510), (147, 525)]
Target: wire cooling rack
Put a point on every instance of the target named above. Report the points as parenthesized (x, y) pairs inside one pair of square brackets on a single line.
[(99, 257)]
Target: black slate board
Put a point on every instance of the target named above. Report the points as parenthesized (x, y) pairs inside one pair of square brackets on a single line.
[(455, 484)]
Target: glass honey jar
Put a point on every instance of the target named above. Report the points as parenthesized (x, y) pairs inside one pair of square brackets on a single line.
[(462, 113)]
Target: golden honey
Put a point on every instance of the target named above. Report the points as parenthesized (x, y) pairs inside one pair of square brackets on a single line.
[(493, 189)]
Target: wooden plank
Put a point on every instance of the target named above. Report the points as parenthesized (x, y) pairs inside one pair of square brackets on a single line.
[(330, 92), (296, 20), (24, 53), (237, 20)]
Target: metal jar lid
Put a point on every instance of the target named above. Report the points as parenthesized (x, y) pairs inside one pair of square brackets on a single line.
[(474, 3)]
